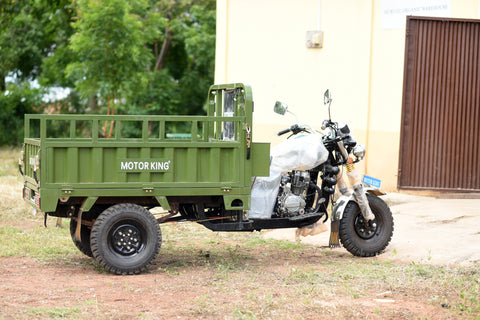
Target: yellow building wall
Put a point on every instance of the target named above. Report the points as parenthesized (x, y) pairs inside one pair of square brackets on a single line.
[(263, 43)]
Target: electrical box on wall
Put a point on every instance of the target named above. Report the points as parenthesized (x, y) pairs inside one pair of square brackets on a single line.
[(314, 39)]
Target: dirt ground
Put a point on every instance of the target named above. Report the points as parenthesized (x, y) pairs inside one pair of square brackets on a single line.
[(32, 290), (427, 230)]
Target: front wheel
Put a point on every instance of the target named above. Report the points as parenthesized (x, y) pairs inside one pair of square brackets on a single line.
[(125, 239), (362, 238)]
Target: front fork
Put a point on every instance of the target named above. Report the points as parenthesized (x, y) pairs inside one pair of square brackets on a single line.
[(358, 190), (359, 195)]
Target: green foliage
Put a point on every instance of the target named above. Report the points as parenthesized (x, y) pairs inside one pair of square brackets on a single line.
[(155, 57), (181, 37), (59, 30), (470, 300), (140, 57), (19, 45), (109, 44), (31, 31), (160, 96), (14, 103)]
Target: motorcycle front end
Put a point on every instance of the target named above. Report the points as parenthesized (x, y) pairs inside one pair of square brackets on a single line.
[(360, 220)]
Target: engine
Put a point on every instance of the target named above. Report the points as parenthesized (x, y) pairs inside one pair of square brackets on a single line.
[(291, 198)]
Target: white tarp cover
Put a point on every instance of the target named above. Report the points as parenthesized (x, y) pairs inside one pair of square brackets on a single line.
[(303, 152)]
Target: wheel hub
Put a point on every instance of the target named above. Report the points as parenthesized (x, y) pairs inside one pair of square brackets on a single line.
[(126, 239), (365, 229)]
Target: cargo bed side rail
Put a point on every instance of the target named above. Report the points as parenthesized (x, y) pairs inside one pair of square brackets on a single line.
[(229, 118), (125, 127)]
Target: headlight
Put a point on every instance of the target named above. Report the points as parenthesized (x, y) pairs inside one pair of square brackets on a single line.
[(359, 151), (330, 133)]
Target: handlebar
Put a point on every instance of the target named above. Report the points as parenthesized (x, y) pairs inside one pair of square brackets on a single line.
[(283, 132), (295, 129)]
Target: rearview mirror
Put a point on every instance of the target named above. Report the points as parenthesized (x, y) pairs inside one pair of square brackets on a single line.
[(280, 108), (327, 97)]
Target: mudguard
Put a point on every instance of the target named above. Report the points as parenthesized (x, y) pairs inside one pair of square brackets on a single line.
[(341, 203)]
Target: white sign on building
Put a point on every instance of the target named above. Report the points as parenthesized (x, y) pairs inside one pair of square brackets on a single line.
[(394, 12)]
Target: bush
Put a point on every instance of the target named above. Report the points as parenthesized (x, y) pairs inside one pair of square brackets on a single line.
[(15, 102)]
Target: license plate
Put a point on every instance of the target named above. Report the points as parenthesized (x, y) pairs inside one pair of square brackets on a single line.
[(32, 196), (372, 181)]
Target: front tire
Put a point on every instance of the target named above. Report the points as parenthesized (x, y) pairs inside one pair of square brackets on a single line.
[(366, 239), (125, 239)]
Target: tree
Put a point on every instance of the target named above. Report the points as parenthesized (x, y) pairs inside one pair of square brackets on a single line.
[(30, 32), (164, 49), (15, 102), (140, 56), (181, 35), (109, 45)]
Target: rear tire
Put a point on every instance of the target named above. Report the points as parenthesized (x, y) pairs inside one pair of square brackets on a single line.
[(366, 240), (84, 244), (125, 239), (85, 231)]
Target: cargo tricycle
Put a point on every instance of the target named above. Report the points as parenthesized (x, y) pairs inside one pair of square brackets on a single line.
[(205, 169)]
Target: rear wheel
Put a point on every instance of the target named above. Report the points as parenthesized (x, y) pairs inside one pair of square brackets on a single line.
[(125, 239), (366, 238), (84, 244)]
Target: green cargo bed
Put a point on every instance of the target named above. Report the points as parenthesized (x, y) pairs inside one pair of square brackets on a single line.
[(67, 159)]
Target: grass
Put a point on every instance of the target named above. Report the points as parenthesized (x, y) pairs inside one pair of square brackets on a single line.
[(12, 206), (309, 276), (40, 243), (9, 163), (238, 275), (52, 313), (21, 232)]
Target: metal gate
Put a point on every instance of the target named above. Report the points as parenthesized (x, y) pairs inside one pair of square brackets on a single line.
[(440, 131)]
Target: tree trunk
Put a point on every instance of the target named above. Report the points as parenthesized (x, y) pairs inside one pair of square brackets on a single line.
[(93, 103), (167, 41), (3, 85)]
